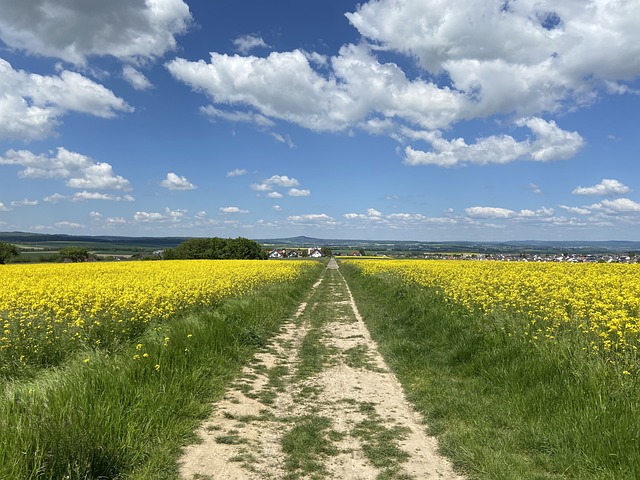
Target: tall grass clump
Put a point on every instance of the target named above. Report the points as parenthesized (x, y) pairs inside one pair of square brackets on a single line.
[(502, 405), (126, 414)]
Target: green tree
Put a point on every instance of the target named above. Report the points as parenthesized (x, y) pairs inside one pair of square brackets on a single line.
[(216, 249), (75, 254), (7, 251)]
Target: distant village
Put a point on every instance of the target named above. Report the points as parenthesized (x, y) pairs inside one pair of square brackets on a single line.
[(315, 252), (318, 252), (537, 257)]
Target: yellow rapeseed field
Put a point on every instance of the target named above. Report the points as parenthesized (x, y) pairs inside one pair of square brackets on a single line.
[(600, 300), (47, 309)]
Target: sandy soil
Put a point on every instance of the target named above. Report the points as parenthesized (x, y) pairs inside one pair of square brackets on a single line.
[(375, 433)]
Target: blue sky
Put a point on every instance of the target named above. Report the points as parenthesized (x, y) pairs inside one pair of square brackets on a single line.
[(390, 119)]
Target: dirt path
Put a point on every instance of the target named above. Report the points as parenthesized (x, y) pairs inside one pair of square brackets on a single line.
[(318, 403)]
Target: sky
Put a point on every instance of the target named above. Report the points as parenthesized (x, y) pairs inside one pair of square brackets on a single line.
[(426, 120)]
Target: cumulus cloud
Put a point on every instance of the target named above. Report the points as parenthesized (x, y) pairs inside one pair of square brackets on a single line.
[(554, 50), (66, 225), (24, 203), (498, 213), (75, 29), (274, 195), (619, 205), (176, 182), (237, 172), (232, 210), (246, 43), (31, 105), (285, 86), (576, 210), (557, 58), (311, 217), (607, 186), (80, 170), (489, 212), (84, 195), (297, 192), (270, 183), (135, 78), (550, 143), (153, 217)]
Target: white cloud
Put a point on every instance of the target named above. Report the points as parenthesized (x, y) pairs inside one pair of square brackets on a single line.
[(282, 139), (79, 170), (375, 217), (297, 192), (75, 29), (285, 86), (148, 217), (543, 63), (173, 216), (503, 213), (282, 181), (261, 187), (550, 143), (176, 182), (489, 212), (246, 43), (69, 225), (312, 217), (116, 221), (232, 210), (576, 210), (84, 195), (135, 78), (3, 208), (535, 188), (557, 58), (55, 198), (277, 208), (274, 195), (269, 184), (237, 172), (24, 203), (31, 105), (619, 205), (606, 187)]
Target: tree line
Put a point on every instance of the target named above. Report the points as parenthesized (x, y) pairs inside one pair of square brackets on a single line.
[(196, 248), (216, 249)]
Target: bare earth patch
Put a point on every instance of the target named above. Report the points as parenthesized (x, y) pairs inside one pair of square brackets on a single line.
[(318, 403)]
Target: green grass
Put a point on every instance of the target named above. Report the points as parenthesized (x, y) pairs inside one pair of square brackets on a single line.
[(503, 408), (314, 354), (104, 415), (380, 443), (306, 445)]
